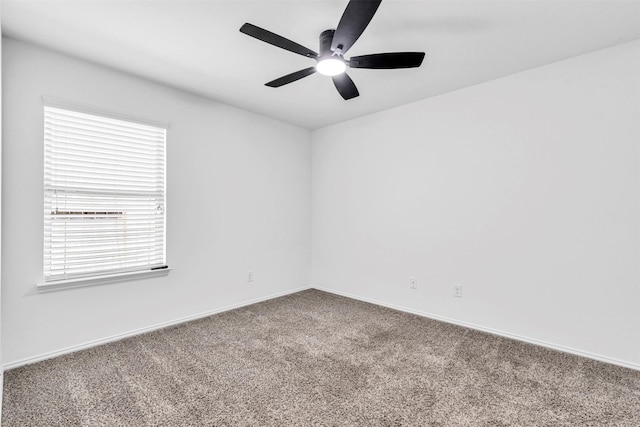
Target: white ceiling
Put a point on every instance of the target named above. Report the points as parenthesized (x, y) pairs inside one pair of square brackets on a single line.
[(196, 45)]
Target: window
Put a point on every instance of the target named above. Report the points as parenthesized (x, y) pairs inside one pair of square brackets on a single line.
[(104, 196)]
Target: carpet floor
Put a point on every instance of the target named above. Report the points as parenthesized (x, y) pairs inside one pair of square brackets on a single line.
[(317, 359)]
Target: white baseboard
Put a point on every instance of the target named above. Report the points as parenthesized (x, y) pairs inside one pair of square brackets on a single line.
[(140, 331), (151, 328), (492, 331)]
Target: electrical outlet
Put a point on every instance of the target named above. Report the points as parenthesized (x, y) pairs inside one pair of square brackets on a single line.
[(457, 290), (250, 276), (413, 282)]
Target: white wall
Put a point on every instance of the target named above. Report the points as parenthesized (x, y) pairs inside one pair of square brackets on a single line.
[(1, 371), (523, 189), (238, 200)]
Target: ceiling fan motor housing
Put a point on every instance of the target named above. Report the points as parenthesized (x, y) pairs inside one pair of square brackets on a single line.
[(326, 37)]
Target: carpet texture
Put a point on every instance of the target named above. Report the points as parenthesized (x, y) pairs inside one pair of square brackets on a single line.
[(316, 359)]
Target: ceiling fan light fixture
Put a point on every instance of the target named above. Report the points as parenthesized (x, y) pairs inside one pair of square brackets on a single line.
[(331, 66)]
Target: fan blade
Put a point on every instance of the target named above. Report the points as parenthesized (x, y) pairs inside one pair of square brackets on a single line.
[(346, 87), (290, 78), (276, 40), (354, 20), (387, 60)]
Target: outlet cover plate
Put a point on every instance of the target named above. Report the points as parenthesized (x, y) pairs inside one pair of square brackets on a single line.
[(457, 290)]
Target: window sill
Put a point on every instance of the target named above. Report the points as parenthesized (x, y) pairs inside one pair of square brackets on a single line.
[(100, 280)]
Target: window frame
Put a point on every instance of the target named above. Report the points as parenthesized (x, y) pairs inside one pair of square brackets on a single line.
[(116, 275)]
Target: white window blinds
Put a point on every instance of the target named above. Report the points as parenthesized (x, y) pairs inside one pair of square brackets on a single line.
[(104, 195)]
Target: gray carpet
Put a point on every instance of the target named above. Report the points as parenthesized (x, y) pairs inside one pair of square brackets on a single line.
[(316, 359)]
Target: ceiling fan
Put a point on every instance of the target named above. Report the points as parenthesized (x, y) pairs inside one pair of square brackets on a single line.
[(333, 45)]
